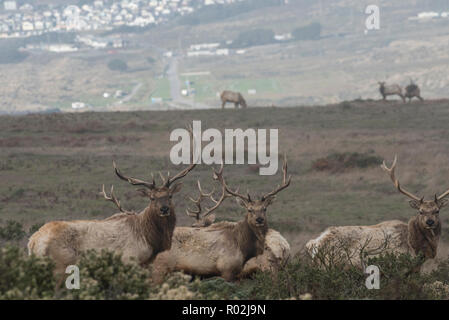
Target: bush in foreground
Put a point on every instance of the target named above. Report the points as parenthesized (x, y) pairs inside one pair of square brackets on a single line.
[(104, 276), (24, 277)]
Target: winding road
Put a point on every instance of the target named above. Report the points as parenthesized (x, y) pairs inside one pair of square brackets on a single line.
[(178, 101)]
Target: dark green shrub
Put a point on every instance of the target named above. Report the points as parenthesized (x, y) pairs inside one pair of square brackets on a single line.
[(118, 65), (218, 288), (25, 277), (12, 231), (105, 276), (34, 228), (303, 276)]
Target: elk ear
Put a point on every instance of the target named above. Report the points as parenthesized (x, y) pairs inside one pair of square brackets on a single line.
[(442, 203), (176, 188), (269, 200), (415, 204), (241, 202), (144, 192)]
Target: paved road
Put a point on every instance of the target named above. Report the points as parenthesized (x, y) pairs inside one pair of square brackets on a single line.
[(132, 94), (178, 101)]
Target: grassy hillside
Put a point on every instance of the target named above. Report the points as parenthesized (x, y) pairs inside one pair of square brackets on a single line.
[(52, 166)]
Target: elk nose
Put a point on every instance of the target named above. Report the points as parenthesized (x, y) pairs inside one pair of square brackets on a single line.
[(259, 220), (430, 222), (164, 209)]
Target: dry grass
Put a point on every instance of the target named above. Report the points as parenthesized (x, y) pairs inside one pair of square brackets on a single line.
[(54, 165)]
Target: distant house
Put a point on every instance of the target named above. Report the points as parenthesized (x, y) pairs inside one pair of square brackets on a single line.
[(10, 5), (428, 15), (61, 48), (222, 52), (27, 26), (199, 53), (203, 46), (78, 105), (283, 37)]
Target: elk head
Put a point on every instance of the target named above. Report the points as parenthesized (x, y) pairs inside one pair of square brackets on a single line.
[(428, 210), (160, 196), (256, 208)]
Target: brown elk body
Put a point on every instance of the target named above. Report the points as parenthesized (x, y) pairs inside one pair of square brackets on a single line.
[(390, 90), (137, 237), (222, 249), (234, 97), (412, 90), (420, 236)]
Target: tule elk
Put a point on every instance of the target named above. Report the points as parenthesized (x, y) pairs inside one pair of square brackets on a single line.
[(390, 90), (419, 237), (222, 249), (138, 237), (412, 90), (234, 97)]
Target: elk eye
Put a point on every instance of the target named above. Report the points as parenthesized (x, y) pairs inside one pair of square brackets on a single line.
[(437, 212)]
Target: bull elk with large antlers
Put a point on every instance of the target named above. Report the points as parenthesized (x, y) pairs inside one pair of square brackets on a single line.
[(135, 236), (419, 237), (222, 249)]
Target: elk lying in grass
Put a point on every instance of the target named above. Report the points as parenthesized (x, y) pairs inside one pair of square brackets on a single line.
[(390, 90), (221, 249), (412, 90), (419, 237), (276, 250), (234, 97), (139, 237)]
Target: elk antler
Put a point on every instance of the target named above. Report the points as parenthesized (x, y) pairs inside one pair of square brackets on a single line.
[(133, 181), (285, 181), (396, 183), (165, 182), (443, 195), (197, 213), (114, 200), (219, 176)]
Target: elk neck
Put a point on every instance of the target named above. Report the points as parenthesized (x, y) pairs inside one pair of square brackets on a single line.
[(423, 240), (250, 240), (156, 230)]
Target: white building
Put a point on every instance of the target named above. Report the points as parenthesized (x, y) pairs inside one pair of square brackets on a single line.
[(10, 5), (428, 15), (27, 26), (203, 46), (78, 105)]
